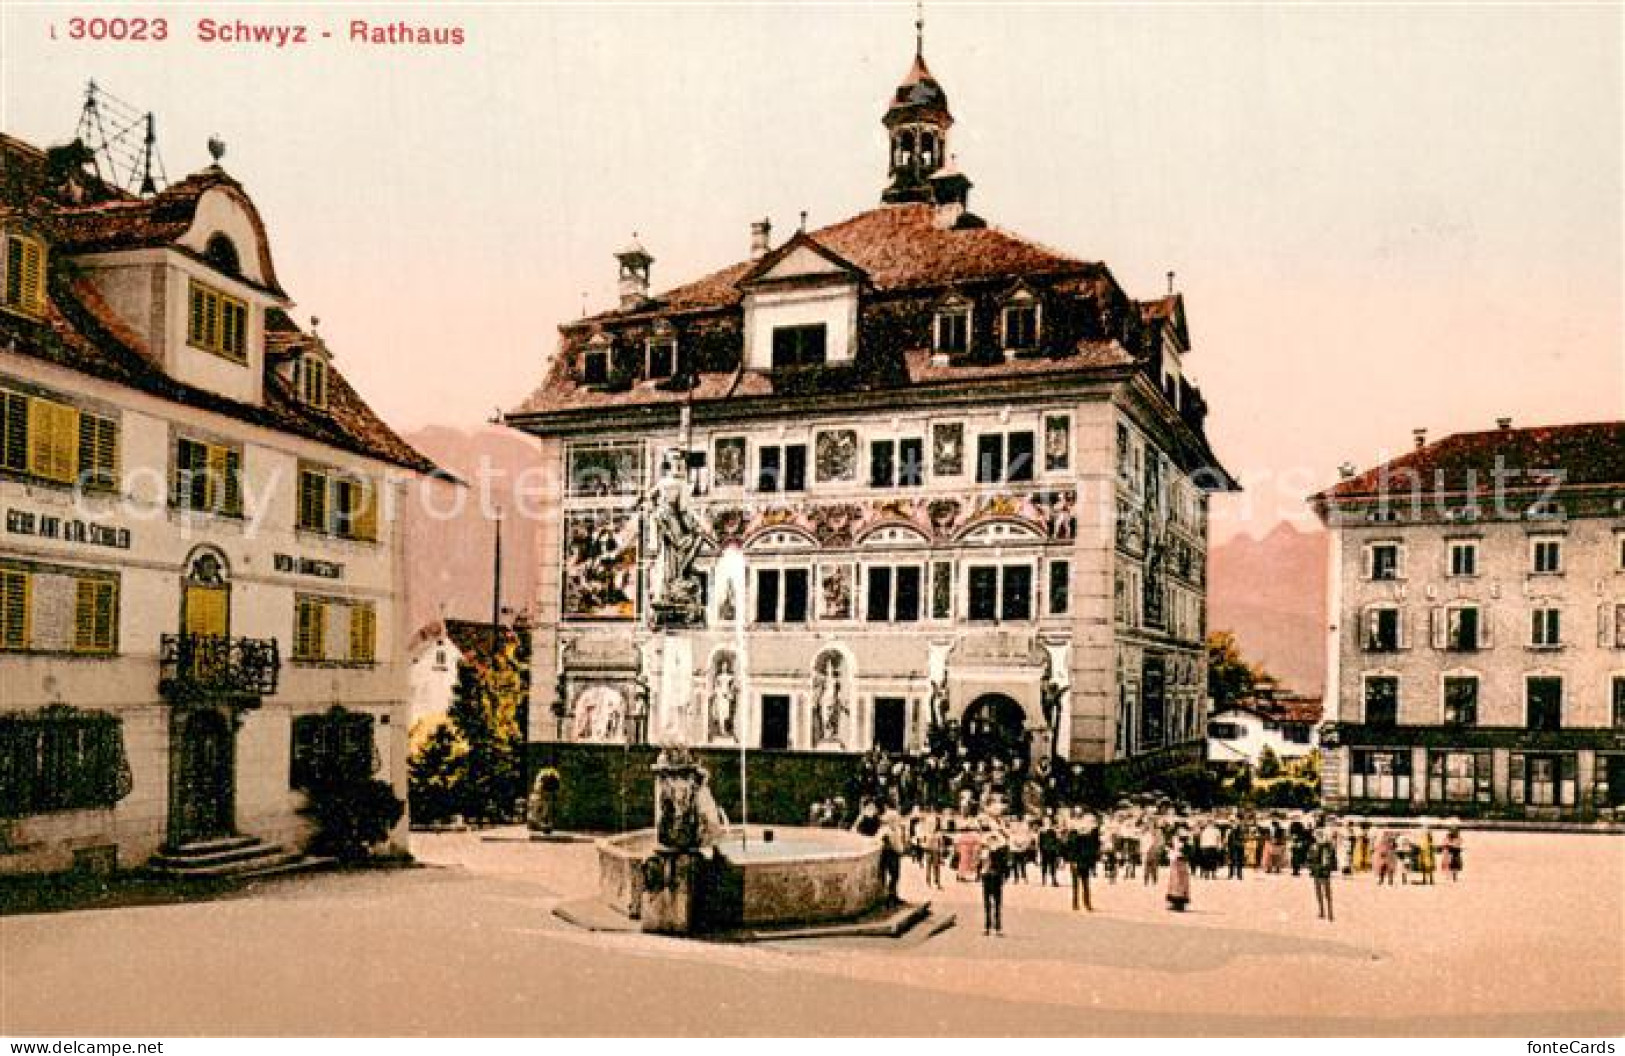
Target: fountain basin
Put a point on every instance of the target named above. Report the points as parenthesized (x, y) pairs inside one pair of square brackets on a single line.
[(803, 876)]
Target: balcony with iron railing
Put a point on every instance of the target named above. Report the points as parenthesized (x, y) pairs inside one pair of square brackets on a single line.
[(197, 667)]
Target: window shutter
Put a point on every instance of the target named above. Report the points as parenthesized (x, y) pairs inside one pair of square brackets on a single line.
[(365, 518), (1438, 624), (15, 592), (1486, 625), (53, 434), (194, 331), (1604, 638), (13, 431), (231, 482), (1399, 560), (1406, 617), (98, 451), (94, 606), (215, 500), (363, 633), (33, 277)]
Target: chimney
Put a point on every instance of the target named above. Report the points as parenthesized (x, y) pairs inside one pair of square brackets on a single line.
[(1421, 436), (634, 278), (1345, 471), (761, 238), (1503, 423)]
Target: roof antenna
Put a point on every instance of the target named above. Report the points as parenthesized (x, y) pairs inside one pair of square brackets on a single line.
[(919, 29), (110, 127), (803, 220), (1170, 283)]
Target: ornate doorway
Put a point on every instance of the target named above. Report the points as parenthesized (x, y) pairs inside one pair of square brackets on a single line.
[(995, 726), (202, 776)]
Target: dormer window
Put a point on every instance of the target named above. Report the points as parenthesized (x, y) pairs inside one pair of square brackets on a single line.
[(222, 253), (798, 346), (310, 380), (24, 274), (595, 361), (218, 323), (953, 329), (662, 358), (1020, 322)]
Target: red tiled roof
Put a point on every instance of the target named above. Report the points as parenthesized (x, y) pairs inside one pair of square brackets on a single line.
[(79, 331), (1585, 454), (899, 247)]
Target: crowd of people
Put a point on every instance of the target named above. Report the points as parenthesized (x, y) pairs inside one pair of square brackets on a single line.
[(994, 823)]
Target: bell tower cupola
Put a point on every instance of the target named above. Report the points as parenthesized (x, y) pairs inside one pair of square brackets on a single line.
[(917, 124)]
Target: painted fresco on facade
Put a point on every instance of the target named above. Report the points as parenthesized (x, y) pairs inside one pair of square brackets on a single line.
[(605, 470), (729, 471), (600, 565), (948, 449), (837, 456)]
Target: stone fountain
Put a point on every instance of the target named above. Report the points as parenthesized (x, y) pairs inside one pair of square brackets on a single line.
[(690, 874)]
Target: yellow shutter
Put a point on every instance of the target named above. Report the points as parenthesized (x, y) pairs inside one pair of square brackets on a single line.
[(310, 630), (207, 610), (15, 597), (217, 459), (365, 518), (98, 451), (363, 633), (53, 440), (33, 277), (93, 615), (194, 331)]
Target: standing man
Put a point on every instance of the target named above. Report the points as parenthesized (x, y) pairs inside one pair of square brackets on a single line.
[(1083, 846), (1236, 848), (1322, 865), (892, 845), (992, 863)]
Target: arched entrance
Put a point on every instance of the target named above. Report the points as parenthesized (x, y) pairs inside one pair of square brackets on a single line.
[(995, 726), (202, 790)]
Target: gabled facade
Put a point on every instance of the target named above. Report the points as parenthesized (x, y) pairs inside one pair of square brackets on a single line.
[(969, 489), (200, 556), (1476, 642)]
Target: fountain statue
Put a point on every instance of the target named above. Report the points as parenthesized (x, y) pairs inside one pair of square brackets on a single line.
[(674, 589)]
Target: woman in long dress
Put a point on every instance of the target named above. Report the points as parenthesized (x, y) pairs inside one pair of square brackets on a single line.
[(1179, 880), (1386, 860), (967, 846), (1425, 861), (1452, 854), (1362, 848)]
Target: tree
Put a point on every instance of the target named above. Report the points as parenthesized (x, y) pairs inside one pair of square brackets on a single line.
[(1230, 677), (485, 708), (435, 775), (1269, 764)]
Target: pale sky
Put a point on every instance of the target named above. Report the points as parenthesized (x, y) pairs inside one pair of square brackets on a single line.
[(1380, 217)]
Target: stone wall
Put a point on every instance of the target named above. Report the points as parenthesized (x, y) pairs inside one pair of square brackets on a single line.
[(610, 788)]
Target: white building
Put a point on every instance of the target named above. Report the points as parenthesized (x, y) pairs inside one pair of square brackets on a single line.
[(200, 554), (1476, 644), (1239, 734)]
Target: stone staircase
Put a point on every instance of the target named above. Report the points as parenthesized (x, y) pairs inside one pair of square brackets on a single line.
[(234, 857)]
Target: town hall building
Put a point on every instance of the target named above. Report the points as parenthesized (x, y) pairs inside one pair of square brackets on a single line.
[(968, 475)]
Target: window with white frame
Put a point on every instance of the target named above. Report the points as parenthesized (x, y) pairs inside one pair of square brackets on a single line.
[(1459, 777), (781, 595), (1462, 630), (952, 329), (1546, 627), (661, 357), (1381, 700), (1460, 700), (1380, 773), (1463, 557), (1546, 556), (1018, 322), (1384, 629), (1383, 561), (892, 593), (897, 463), (1004, 457), (1002, 593), (781, 467)]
